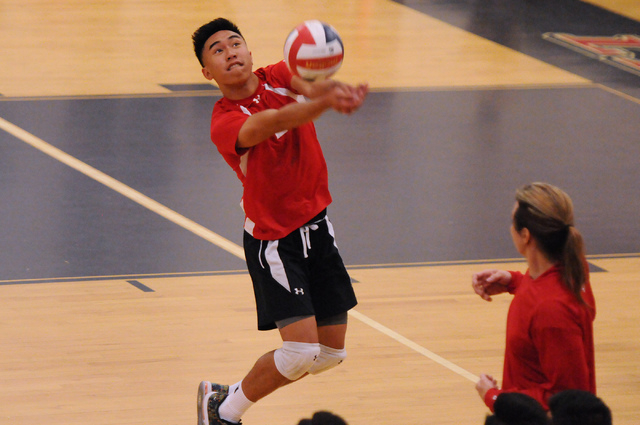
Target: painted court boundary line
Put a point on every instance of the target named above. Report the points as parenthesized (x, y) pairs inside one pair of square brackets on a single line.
[(122, 188), (85, 279), (197, 229)]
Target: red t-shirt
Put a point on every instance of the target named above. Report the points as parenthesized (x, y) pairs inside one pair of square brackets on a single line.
[(284, 177), (549, 342)]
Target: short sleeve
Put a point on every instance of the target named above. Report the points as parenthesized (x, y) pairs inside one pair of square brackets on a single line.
[(225, 128)]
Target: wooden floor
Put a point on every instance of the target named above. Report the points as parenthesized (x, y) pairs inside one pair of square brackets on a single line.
[(122, 284), (106, 352)]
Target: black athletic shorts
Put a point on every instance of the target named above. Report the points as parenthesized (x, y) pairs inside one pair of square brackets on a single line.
[(301, 274)]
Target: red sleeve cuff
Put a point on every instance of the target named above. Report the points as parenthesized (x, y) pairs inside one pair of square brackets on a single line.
[(490, 397), (516, 277)]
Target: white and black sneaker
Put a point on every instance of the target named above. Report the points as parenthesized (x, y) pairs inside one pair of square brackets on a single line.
[(210, 397)]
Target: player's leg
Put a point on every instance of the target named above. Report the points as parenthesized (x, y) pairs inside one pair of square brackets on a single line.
[(332, 346), (334, 334), (274, 369), (333, 295), (271, 371), (279, 367), (283, 300), (286, 364)]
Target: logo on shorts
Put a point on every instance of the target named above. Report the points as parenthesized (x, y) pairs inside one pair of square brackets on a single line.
[(299, 291), (619, 50)]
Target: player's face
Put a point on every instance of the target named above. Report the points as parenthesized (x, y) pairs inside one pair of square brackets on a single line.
[(226, 58)]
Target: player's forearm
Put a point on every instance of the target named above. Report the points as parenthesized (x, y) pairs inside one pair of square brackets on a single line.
[(296, 114), (265, 124), (312, 89)]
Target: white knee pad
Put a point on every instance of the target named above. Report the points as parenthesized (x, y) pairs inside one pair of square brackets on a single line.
[(327, 359), (295, 358)]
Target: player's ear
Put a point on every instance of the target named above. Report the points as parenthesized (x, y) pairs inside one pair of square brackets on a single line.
[(207, 74)]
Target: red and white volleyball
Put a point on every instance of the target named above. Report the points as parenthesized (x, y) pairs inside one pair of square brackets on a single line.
[(313, 50)]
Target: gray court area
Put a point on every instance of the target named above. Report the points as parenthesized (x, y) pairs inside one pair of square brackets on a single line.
[(416, 177)]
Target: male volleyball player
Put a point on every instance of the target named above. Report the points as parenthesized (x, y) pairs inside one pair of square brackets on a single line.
[(263, 128)]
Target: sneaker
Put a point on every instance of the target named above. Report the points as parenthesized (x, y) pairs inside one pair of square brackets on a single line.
[(210, 397), (205, 388)]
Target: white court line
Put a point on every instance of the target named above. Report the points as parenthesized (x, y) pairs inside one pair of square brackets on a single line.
[(122, 189), (416, 347), (199, 230)]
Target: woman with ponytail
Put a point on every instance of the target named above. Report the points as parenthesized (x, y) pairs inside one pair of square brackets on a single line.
[(549, 338)]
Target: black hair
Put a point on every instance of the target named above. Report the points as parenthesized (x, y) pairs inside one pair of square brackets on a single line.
[(517, 409), (323, 418), (578, 407), (202, 34)]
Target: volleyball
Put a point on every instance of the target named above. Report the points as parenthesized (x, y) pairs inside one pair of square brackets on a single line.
[(313, 50)]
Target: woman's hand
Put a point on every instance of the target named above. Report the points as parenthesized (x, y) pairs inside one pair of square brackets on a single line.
[(484, 384), (490, 282)]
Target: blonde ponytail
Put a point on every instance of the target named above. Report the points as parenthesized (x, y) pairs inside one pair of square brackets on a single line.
[(547, 212)]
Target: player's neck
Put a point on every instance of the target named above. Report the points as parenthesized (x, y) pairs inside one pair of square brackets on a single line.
[(538, 263), (240, 91)]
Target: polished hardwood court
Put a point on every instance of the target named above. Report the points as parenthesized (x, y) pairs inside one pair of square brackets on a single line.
[(122, 278)]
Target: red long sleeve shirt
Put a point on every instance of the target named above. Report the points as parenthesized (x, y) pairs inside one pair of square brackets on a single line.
[(549, 342)]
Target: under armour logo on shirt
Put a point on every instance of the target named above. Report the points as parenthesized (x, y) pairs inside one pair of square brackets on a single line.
[(257, 99), (299, 291)]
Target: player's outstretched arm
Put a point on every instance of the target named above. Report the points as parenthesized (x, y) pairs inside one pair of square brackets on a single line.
[(262, 125), (353, 96), (490, 282)]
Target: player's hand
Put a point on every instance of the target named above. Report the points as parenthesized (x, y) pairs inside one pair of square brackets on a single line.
[(484, 384), (347, 99), (337, 95), (490, 282)]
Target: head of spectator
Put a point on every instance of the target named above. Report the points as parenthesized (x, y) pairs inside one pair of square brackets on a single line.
[(323, 418), (578, 407), (517, 409)]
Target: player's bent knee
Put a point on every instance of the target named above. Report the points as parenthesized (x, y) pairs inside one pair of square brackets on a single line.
[(327, 359), (294, 359)]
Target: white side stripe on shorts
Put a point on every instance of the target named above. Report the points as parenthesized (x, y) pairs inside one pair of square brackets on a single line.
[(260, 255), (275, 264), (331, 231)]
